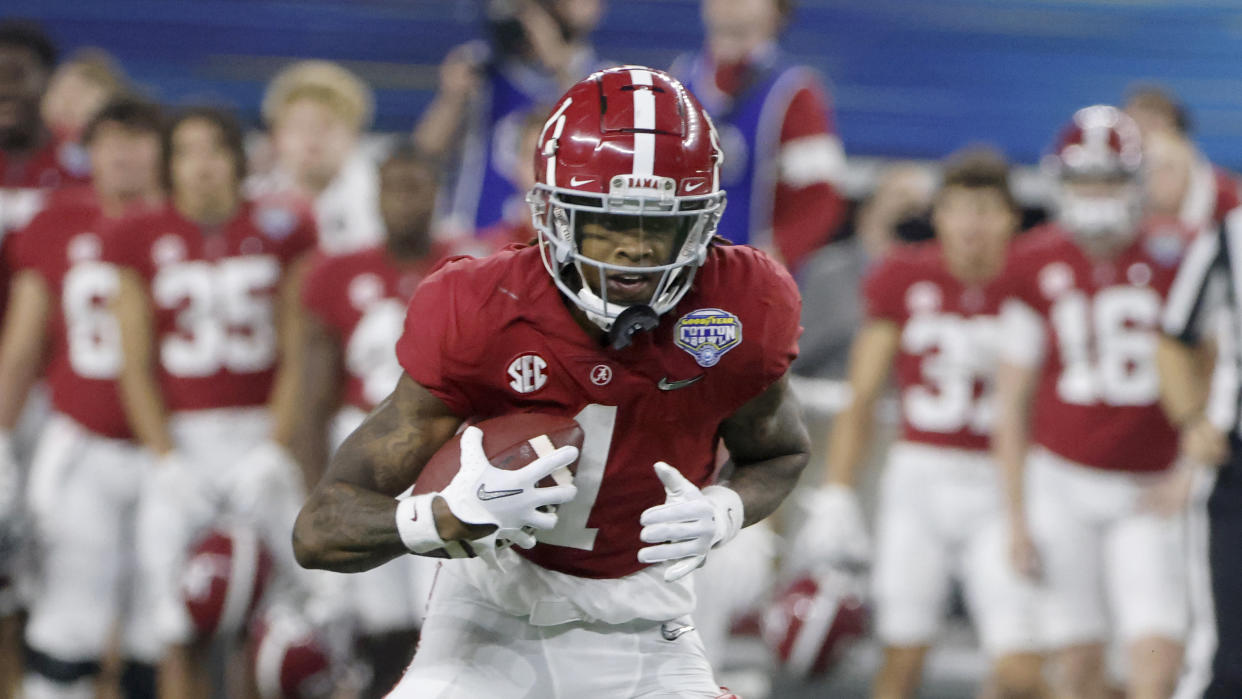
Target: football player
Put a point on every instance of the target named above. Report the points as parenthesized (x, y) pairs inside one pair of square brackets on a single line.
[(85, 462), (660, 340), (209, 320), (1080, 436), (356, 309), (932, 315), (317, 112)]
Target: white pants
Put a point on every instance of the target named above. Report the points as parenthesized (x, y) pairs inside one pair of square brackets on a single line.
[(471, 649), (215, 443), (940, 516), (84, 489), (733, 581), (1104, 558)]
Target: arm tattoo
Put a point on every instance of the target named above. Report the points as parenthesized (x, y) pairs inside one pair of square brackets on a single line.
[(348, 524), (769, 446)]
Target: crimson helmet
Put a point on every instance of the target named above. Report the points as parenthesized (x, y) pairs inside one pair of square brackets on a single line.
[(1101, 144), (292, 658), (627, 148), (224, 579), (811, 622)]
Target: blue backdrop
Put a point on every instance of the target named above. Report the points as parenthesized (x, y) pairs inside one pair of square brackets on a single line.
[(910, 77)]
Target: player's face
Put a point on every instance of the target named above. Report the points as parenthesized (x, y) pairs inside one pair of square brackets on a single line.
[(973, 225), (627, 241), (1167, 160), (313, 141), (202, 163), (407, 197), (124, 161), (22, 81), (737, 28)]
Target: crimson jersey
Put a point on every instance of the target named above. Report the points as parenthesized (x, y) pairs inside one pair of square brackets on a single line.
[(493, 336), (47, 167), (361, 299), (947, 351), (1096, 401), (64, 246), (214, 297)]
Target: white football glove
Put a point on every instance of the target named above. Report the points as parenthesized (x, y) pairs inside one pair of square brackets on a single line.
[(267, 474), (175, 479), (510, 500), (688, 524), (10, 481), (833, 532)]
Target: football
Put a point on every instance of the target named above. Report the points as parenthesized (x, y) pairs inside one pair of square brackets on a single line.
[(510, 442)]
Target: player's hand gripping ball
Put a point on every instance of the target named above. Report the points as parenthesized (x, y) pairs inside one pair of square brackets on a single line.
[(513, 443)]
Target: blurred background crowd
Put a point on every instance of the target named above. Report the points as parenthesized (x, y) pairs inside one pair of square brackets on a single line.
[(414, 121)]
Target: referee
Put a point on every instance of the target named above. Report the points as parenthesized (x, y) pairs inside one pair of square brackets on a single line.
[(1203, 304)]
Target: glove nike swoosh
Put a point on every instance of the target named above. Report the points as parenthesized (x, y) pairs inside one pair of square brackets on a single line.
[(485, 494)]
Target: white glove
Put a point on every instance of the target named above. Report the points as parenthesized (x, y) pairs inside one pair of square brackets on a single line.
[(175, 479), (483, 494), (833, 531), (10, 481), (688, 524), (266, 475)]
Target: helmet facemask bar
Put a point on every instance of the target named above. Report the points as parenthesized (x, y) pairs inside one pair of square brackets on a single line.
[(559, 216)]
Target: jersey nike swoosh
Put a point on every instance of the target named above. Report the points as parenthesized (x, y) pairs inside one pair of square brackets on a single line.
[(672, 633), (485, 494), (666, 385)]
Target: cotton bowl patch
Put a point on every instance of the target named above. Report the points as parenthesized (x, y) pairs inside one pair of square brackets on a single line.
[(707, 334)]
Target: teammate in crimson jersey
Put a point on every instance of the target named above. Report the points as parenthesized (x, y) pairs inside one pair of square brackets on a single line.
[(932, 317), (1078, 383), (209, 321), (658, 340), (60, 323), (356, 310)]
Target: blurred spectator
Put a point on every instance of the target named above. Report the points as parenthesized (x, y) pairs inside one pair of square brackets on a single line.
[(28, 161), (60, 326), (356, 307), (782, 154), (830, 279), (317, 112), (536, 49), (516, 225), (1181, 182), (77, 89)]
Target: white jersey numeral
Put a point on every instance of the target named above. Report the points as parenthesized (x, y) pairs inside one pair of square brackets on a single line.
[(91, 331), (225, 315), (598, 423), (957, 354), (371, 354), (1107, 346)]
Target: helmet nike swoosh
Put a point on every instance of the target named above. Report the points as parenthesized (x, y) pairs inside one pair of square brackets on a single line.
[(575, 182), (666, 385), (693, 186)]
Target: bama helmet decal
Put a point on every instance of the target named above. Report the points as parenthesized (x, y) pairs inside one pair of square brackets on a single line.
[(707, 334)]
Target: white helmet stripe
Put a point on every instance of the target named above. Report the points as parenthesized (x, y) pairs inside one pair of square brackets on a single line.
[(242, 574), (557, 123), (644, 118)]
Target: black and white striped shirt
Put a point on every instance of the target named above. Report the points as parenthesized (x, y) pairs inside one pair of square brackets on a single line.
[(1204, 301)]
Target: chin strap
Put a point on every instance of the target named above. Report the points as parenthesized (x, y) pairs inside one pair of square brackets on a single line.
[(630, 322)]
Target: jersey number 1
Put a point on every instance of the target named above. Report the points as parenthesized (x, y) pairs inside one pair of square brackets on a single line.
[(598, 422)]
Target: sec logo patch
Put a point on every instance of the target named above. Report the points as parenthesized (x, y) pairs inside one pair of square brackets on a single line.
[(528, 373)]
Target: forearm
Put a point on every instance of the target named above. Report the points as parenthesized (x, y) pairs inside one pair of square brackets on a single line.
[(847, 441), (1010, 438), (347, 529), (144, 408), (1183, 392), (764, 485), (436, 134), (22, 344)]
